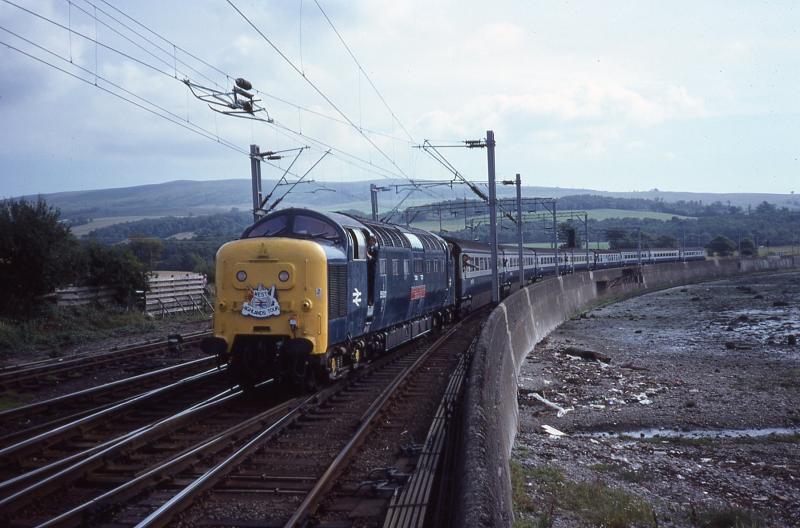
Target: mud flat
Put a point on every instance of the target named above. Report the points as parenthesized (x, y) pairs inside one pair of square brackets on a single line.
[(676, 408)]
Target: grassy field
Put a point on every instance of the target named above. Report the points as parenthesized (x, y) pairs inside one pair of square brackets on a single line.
[(604, 214), (457, 224), (447, 224), (97, 223), (774, 250)]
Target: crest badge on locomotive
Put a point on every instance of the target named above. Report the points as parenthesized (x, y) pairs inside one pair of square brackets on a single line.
[(261, 303)]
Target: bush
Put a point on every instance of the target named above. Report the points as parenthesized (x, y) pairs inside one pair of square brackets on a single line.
[(746, 247), (721, 245), (116, 267), (37, 254)]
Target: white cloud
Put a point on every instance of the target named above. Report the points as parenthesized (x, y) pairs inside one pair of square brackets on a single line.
[(570, 84)]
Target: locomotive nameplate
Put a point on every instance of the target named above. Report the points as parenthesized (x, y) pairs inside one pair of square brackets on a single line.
[(262, 303)]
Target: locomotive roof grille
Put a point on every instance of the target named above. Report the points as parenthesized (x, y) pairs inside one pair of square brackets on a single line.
[(388, 235)]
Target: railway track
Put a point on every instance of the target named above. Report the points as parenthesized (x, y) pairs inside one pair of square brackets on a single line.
[(276, 459), (27, 420), (50, 449), (30, 376), (283, 475)]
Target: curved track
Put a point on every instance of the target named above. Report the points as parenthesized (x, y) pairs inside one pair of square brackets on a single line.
[(259, 456)]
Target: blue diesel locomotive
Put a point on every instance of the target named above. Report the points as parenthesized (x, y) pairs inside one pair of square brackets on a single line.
[(304, 296)]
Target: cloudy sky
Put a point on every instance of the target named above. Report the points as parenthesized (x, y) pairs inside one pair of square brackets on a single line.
[(613, 95)]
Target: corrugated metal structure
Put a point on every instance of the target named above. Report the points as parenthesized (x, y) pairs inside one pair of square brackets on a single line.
[(168, 292), (81, 295), (176, 292)]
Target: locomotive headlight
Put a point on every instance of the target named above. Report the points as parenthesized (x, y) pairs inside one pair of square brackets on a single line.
[(241, 275), (283, 276)]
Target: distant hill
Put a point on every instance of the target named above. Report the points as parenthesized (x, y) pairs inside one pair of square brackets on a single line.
[(186, 197)]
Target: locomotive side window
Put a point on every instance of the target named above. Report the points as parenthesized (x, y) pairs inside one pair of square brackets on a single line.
[(273, 227), (359, 244), (382, 266), (405, 267), (395, 267)]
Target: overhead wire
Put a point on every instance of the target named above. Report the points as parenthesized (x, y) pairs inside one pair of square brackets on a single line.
[(185, 123), (95, 17), (90, 39), (224, 73), (190, 54), (170, 116), (206, 133), (316, 88), (370, 167), (439, 157), (165, 51), (369, 79), (178, 122)]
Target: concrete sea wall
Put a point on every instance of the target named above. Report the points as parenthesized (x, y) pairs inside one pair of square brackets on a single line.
[(510, 333)]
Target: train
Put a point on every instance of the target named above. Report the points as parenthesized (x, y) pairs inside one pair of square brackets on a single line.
[(305, 296)]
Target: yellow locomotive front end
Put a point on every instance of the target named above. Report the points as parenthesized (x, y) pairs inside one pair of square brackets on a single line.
[(271, 310)]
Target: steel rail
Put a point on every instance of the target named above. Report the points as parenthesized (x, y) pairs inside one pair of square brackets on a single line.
[(167, 511), (178, 502), (24, 446), (312, 499), (160, 472), (20, 498), (408, 509), (192, 336), (30, 408), (17, 374), (53, 466)]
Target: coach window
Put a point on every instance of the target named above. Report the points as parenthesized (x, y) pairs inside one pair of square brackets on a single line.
[(405, 268)]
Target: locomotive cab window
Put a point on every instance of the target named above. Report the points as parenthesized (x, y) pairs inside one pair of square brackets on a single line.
[(310, 227), (276, 226)]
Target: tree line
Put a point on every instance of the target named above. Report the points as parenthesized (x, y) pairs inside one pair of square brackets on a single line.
[(38, 254)]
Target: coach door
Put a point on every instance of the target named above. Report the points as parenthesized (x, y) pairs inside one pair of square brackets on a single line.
[(357, 283)]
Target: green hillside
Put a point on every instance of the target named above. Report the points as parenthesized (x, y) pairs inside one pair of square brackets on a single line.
[(185, 197)]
